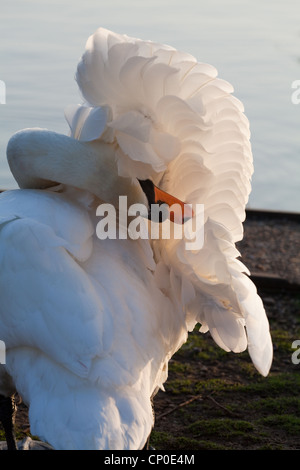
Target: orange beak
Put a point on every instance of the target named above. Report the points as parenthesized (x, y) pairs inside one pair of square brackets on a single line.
[(176, 210), (179, 211)]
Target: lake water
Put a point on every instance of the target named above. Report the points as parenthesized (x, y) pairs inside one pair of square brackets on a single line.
[(254, 44)]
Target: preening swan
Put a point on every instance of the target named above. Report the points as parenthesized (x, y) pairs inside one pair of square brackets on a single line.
[(90, 324)]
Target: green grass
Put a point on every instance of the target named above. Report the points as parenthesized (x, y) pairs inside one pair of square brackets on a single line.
[(260, 415)]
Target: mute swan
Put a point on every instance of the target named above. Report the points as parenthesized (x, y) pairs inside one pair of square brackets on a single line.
[(90, 324)]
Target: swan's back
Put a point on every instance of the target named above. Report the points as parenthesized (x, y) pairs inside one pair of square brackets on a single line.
[(87, 329)]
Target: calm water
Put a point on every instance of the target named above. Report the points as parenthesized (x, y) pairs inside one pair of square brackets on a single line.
[(254, 44)]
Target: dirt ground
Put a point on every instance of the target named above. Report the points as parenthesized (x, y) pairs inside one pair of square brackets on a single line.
[(215, 400)]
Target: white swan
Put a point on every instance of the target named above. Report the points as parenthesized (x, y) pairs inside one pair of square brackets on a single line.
[(89, 324)]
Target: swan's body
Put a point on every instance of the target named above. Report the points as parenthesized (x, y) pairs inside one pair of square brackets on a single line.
[(90, 324)]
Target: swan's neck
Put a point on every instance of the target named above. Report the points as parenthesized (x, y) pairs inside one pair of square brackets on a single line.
[(40, 158)]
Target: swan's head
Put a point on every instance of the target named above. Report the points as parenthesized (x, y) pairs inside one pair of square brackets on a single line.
[(40, 159), (126, 135), (169, 206)]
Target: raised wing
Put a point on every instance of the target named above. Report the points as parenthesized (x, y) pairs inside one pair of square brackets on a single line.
[(177, 122)]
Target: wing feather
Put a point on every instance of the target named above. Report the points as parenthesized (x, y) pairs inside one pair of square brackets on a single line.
[(211, 164)]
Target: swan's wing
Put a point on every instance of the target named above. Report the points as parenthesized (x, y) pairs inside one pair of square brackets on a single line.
[(214, 168), (175, 121), (41, 278), (87, 123)]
